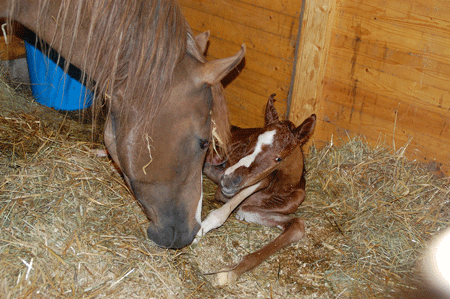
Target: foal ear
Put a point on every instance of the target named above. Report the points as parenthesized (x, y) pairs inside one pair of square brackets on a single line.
[(214, 71), (271, 114), (202, 41), (305, 129)]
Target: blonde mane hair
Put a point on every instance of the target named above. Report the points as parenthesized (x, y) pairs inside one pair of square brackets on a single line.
[(133, 45)]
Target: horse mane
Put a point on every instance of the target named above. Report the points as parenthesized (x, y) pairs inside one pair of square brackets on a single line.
[(131, 46)]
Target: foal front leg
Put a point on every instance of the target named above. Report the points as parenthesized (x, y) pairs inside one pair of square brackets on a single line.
[(217, 217)]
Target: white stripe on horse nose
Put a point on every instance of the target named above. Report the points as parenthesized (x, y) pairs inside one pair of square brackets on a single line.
[(264, 139)]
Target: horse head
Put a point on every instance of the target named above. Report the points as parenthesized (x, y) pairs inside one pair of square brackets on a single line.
[(264, 150), (164, 97), (162, 162)]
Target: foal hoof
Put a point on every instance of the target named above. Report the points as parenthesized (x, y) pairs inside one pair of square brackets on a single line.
[(224, 277)]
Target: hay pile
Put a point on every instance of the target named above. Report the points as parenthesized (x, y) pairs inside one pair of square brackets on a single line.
[(70, 228), (378, 210)]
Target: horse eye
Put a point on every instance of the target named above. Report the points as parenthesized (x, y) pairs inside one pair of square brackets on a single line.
[(278, 159), (204, 144)]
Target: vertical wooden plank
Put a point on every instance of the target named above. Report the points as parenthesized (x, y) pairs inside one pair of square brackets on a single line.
[(311, 59), (387, 78)]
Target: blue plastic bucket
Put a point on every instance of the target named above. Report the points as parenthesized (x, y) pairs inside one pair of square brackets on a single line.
[(51, 86)]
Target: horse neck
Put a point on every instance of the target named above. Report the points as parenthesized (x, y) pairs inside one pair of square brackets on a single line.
[(113, 44)]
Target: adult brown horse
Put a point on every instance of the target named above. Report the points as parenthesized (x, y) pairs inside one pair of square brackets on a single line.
[(164, 98)]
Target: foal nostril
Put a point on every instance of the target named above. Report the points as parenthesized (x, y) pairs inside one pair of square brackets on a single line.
[(236, 181), (230, 181)]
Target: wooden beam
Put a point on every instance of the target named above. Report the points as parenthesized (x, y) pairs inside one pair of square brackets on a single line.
[(311, 59)]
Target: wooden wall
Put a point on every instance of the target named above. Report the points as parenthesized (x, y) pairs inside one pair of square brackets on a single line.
[(269, 29), (387, 76), (378, 68)]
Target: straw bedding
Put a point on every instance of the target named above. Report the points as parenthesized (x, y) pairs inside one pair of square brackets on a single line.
[(71, 229)]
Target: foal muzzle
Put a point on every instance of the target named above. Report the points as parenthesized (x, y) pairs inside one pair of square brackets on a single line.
[(230, 185)]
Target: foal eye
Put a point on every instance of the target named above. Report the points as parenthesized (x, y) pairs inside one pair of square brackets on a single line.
[(204, 143), (278, 159)]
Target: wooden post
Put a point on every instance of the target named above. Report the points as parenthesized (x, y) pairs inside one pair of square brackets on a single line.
[(311, 58)]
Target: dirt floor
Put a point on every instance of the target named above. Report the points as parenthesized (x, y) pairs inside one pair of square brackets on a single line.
[(69, 227)]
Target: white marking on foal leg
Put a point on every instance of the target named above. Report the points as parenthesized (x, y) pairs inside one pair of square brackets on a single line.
[(263, 139), (217, 217), (257, 218), (248, 216)]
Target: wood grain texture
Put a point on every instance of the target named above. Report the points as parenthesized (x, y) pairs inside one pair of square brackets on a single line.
[(287, 7), (377, 68), (311, 58), (388, 77), (253, 16), (269, 29)]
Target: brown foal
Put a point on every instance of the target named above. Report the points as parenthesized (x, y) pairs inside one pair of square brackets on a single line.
[(264, 178)]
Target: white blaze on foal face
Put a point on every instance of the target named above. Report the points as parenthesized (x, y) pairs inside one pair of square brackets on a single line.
[(264, 139)]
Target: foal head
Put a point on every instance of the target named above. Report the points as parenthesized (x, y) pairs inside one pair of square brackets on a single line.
[(266, 151)]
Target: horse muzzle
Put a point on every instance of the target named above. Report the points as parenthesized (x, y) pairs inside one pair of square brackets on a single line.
[(172, 235), (173, 219)]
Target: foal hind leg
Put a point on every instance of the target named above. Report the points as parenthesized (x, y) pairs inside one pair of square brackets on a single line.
[(293, 231)]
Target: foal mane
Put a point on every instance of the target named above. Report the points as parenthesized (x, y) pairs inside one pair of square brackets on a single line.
[(127, 45)]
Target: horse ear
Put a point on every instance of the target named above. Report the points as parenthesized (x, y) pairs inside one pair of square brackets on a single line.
[(214, 71), (305, 129), (271, 114), (202, 41)]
